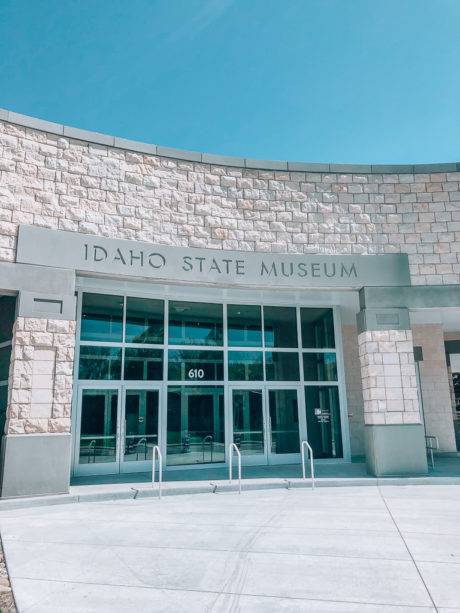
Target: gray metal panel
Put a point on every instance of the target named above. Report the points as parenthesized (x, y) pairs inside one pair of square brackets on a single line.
[(95, 254), (392, 168), (413, 297), (35, 464), (396, 450), (222, 160), (38, 124), (423, 168), (383, 319), (134, 145), (308, 167), (28, 277), (51, 306), (91, 137), (351, 168), (266, 164), (4, 114), (179, 154)]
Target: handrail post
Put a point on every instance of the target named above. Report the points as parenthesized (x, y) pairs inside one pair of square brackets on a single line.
[(155, 451), (233, 447), (312, 468)]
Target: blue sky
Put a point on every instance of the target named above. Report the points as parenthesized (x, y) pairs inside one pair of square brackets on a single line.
[(358, 81)]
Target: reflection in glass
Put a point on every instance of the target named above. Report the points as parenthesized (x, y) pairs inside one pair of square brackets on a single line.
[(284, 421), (323, 421), (144, 320), (245, 366), (98, 426), (141, 424), (5, 357), (7, 316), (143, 364), (99, 362), (102, 318), (195, 323), (3, 403), (248, 429), (244, 325), (320, 366), (282, 366), (195, 365), (317, 328), (280, 326), (195, 425)]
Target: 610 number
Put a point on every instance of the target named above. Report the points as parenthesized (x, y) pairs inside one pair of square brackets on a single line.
[(196, 373)]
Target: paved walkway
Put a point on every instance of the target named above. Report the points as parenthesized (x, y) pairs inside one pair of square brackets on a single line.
[(370, 549)]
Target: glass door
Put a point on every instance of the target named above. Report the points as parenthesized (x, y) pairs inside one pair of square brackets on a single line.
[(248, 423), (139, 428), (283, 432), (117, 429), (97, 451)]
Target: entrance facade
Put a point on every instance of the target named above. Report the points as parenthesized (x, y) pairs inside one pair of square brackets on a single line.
[(194, 375)]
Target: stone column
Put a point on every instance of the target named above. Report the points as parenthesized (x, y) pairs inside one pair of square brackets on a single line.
[(36, 446), (394, 432)]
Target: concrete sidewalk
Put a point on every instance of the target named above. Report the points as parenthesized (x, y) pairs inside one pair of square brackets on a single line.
[(370, 549)]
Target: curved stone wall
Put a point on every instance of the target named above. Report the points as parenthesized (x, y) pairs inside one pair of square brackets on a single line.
[(58, 177)]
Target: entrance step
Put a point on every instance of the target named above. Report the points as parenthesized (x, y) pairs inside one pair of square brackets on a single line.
[(129, 491)]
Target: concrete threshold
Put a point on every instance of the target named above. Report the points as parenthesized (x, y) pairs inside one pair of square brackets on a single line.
[(132, 491)]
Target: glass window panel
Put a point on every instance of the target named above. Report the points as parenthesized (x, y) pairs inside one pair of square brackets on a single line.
[(144, 320), (141, 424), (98, 426), (143, 364), (195, 323), (3, 403), (284, 421), (281, 366), (317, 328), (244, 323), (196, 425), (320, 366), (323, 421), (7, 314), (5, 357), (245, 366), (280, 326), (248, 425), (191, 365), (99, 363), (102, 318)]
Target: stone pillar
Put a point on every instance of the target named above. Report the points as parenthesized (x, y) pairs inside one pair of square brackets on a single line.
[(37, 444), (394, 432)]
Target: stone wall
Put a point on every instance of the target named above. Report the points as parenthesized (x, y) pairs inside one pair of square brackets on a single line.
[(41, 376), (63, 183), (388, 377), (435, 384)]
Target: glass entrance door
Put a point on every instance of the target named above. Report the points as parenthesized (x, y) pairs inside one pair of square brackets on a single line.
[(117, 429), (140, 429), (283, 425), (266, 424)]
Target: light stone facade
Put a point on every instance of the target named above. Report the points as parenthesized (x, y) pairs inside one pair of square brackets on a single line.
[(53, 180), (41, 376), (388, 377), (57, 182)]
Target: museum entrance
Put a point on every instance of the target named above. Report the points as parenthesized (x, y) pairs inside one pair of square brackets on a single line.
[(194, 376), (117, 429), (265, 424)]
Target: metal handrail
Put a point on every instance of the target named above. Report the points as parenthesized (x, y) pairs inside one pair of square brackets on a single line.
[(207, 439), (312, 468), (231, 448), (430, 448), (155, 451)]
